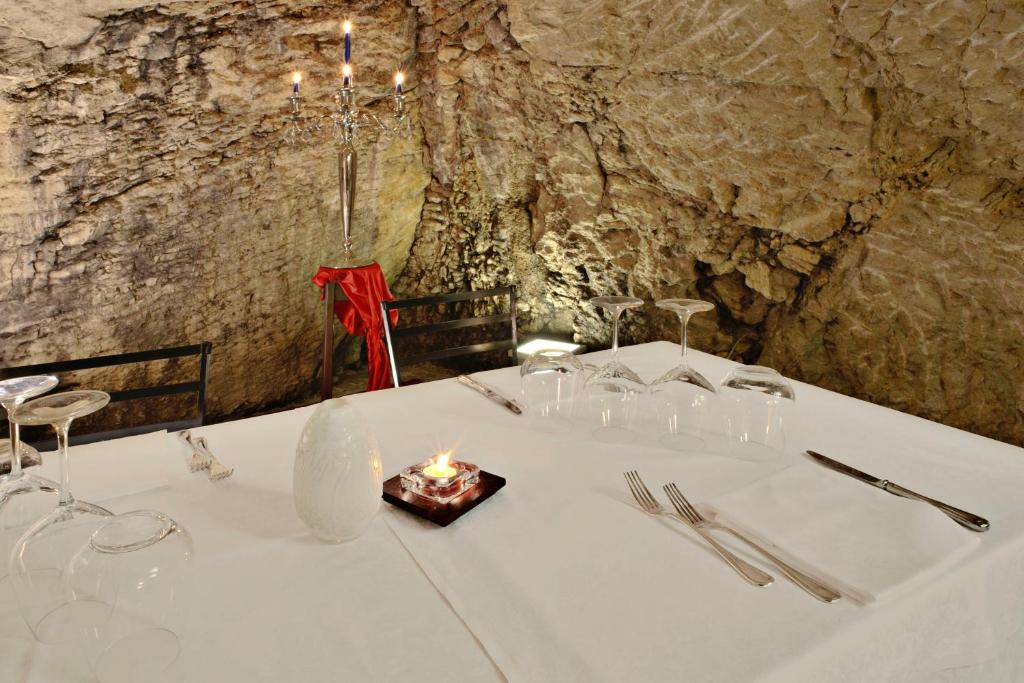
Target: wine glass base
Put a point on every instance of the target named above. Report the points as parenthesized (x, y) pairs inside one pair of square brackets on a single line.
[(682, 441), (145, 655), (614, 435), (67, 620)]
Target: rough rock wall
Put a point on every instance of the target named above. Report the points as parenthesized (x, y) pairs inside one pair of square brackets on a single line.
[(147, 198), (842, 178)]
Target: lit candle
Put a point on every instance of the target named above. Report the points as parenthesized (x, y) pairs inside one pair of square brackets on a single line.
[(347, 28), (296, 79), (346, 76), (399, 80), (440, 468)]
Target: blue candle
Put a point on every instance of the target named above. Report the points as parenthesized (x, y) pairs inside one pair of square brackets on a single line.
[(348, 40), (346, 76), (399, 80), (296, 79)]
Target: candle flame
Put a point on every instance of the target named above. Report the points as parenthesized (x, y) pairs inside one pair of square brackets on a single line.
[(346, 71), (399, 78), (296, 77), (347, 26), (440, 467)]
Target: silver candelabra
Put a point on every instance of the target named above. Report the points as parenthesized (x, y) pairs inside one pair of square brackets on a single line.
[(341, 127)]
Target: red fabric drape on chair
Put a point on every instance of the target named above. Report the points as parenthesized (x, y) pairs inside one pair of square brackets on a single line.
[(365, 287)]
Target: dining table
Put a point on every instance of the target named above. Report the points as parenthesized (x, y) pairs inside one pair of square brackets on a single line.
[(559, 576)]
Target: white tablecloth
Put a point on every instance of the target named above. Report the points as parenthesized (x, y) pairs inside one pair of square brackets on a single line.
[(559, 577)]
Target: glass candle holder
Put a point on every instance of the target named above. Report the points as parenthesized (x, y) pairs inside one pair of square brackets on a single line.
[(440, 479)]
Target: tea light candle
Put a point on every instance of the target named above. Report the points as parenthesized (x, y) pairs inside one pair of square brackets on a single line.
[(440, 468)]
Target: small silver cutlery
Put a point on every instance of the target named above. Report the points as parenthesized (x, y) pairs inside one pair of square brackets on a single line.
[(203, 458), (815, 587), (199, 461), (651, 506), (490, 393), (965, 519)]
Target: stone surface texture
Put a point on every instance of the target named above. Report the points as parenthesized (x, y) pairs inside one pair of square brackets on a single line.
[(147, 195), (844, 179)]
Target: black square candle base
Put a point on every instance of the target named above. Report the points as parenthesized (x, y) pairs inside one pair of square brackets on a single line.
[(442, 514)]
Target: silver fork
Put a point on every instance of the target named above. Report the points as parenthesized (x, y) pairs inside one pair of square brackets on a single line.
[(200, 460), (815, 587), (216, 470), (651, 506)]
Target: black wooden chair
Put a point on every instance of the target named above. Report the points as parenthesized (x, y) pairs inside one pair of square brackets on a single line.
[(401, 355), (197, 386)]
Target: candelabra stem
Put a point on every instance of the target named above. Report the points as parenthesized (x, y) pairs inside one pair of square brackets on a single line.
[(347, 186)]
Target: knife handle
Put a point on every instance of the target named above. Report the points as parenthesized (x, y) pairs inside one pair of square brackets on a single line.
[(961, 517)]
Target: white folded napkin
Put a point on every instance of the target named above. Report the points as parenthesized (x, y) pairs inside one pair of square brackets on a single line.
[(869, 543), (120, 467)]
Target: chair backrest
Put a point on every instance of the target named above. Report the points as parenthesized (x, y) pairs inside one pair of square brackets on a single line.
[(197, 386), (392, 333)]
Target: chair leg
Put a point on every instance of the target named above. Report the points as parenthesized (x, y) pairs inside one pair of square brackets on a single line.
[(327, 365)]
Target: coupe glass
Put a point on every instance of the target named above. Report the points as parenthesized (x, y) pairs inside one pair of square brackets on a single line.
[(614, 389), (130, 583), (41, 555), (682, 396), (550, 381), (24, 497), (756, 400)]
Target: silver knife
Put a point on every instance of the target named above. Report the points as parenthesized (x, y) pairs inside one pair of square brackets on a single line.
[(961, 517), (490, 393)]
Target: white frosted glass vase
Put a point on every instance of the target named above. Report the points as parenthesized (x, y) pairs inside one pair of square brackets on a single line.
[(338, 478)]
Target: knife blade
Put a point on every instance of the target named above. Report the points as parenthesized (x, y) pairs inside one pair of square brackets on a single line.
[(490, 393), (965, 519)]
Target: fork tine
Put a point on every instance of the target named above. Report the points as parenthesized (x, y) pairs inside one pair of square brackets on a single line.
[(646, 491), (696, 516), (677, 504), (652, 502), (680, 506), (632, 489), (636, 492), (693, 511)]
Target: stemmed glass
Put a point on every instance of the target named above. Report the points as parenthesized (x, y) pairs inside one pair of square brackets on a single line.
[(613, 390), (757, 400), (550, 380), (682, 396), (131, 580), (40, 557), (24, 497)]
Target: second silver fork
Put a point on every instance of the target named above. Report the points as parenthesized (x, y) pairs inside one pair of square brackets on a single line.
[(810, 584), (651, 506)]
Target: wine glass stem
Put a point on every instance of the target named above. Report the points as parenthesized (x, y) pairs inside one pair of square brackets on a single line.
[(684, 319), (15, 448), (65, 474), (615, 330)]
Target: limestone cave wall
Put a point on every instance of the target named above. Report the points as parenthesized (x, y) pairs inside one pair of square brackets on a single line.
[(148, 197), (843, 178)]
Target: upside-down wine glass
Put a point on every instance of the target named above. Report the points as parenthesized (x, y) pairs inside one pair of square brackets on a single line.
[(39, 559), (24, 497), (756, 400), (132, 578), (614, 389), (682, 396), (550, 381)]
